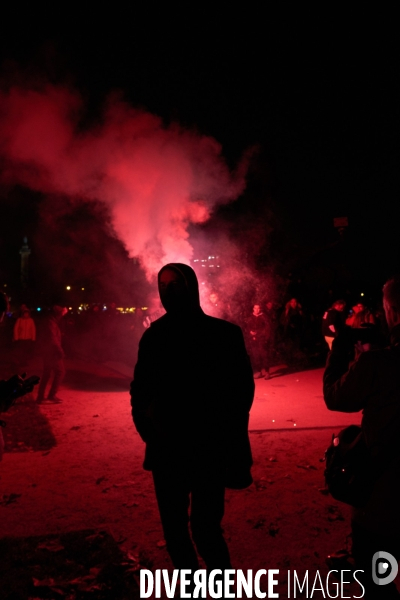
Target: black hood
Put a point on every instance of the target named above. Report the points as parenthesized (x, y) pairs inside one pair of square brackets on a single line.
[(190, 301)]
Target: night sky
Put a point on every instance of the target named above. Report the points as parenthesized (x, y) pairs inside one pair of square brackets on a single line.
[(315, 96)]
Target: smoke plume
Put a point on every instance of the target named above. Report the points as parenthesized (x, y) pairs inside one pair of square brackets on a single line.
[(155, 180)]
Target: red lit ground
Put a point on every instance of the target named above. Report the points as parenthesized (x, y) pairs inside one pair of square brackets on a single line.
[(93, 477)]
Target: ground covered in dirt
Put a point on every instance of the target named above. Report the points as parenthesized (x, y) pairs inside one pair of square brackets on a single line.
[(78, 516)]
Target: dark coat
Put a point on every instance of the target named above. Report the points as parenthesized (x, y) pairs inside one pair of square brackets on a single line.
[(372, 384), (260, 326), (51, 340), (335, 318), (192, 392)]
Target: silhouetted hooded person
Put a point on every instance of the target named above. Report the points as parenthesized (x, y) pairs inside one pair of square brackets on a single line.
[(191, 395), (179, 290)]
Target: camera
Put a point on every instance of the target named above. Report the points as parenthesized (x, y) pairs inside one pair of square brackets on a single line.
[(14, 388), (368, 334)]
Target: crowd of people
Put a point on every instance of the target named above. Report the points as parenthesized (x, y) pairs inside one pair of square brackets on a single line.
[(103, 334), (275, 334)]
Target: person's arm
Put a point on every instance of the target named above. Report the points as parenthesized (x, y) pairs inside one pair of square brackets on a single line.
[(140, 390), (241, 380), (240, 391), (347, 388)]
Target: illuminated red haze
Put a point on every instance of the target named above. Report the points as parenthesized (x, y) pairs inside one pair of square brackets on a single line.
[(155, 180)]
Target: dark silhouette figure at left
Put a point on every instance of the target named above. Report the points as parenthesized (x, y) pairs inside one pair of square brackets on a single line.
[(191, 395)]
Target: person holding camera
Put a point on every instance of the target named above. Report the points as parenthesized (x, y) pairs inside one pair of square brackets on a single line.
[(371, 383)]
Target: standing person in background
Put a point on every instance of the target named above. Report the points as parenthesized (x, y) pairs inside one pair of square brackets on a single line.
[(53, 356), (364, 317), (215, 307), (353, 313), (293, 326), (361, 315), (95, 322), (24, 336), (271, 316), (333, 321), (257, 334)]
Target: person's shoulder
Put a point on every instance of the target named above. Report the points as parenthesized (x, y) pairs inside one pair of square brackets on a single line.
[(221, 325), (378, 358), (390, 353), (160, 322), (156, 328)]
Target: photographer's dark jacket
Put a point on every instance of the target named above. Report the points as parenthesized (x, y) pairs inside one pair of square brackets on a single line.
[(192, 392), (372, 384)]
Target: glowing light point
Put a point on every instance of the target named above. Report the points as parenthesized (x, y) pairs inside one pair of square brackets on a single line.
[(294, 424), (82, 289), (68, 287), (39, 309), (362, 294)]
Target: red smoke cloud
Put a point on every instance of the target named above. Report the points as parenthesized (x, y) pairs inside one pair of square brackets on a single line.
[(155, 180)]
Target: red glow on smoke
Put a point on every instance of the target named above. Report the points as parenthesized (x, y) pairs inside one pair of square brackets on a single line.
[(155, 180)]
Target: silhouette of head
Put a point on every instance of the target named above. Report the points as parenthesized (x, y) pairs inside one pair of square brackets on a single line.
[(178, 288)]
